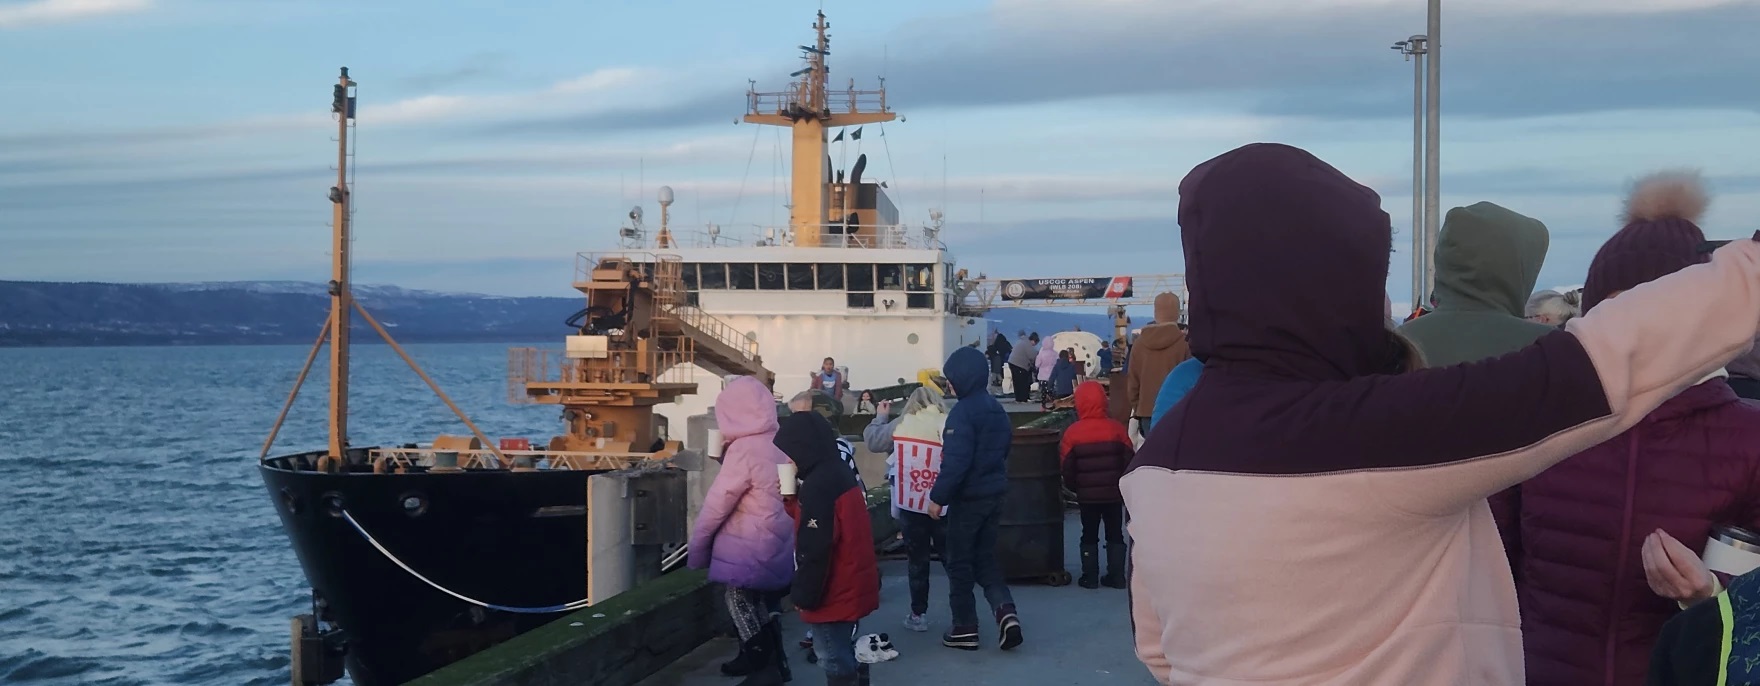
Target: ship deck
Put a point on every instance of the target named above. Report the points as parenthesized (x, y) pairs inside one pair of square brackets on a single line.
[(1074, 636)]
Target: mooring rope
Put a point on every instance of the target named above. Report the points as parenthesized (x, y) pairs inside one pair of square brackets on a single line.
[(566, 607)]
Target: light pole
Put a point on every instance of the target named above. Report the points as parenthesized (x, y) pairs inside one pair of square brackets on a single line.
[(1414, 50), (1433, 132)]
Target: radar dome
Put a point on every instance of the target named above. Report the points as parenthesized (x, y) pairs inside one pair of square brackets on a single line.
[(665, 196)]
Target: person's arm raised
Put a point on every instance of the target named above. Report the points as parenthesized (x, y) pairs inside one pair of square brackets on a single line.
[(1465, 432)]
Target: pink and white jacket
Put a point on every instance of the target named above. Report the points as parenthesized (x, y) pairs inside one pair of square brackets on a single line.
[(743, 535), (1310, 515)]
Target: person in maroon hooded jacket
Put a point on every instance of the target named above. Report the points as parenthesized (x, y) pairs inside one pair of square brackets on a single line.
[(1588, 615), (836, 579)]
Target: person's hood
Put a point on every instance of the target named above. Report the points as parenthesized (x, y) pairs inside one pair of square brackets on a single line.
[(1002, 340), (1167, 308), (1091, 401), (968, 371), (1160, 336), (1488, 259), (745, 408), (808, 440), (1252, 223)]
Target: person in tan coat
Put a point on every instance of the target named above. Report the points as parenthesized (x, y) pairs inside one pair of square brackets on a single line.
[(1160, 347)]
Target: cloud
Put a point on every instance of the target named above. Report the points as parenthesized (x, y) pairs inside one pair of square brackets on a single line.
[(477, 66), (1503, 58), (21, 14), (603, 80)]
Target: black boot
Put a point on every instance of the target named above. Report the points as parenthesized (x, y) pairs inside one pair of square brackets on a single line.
[(766, 658), (741, 664), (863, 675), (781, 648), (1116, 554), (1090, 566)]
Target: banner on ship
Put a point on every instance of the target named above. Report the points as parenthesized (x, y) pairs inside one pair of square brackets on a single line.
[(1093, 288)]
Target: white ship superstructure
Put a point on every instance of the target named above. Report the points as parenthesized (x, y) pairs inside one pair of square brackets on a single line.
[(845, 279)]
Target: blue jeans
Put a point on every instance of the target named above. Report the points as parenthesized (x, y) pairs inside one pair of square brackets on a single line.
[(971, 559), (835, 645), (923, 536)]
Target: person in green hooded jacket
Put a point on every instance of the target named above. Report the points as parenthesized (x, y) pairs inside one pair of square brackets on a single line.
[(1488, 259)]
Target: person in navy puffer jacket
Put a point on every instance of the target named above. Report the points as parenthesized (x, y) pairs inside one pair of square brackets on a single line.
[(1591, 525), (973, 479)]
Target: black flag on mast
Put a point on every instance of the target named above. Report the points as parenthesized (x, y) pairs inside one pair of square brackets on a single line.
[(839, 136), (857, 135)]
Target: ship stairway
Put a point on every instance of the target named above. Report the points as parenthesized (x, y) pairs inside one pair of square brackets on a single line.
[(718, 347), (712, 344)]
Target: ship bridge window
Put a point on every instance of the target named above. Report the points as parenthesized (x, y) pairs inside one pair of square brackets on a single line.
[(861, 277), (712, 276), (920, 278), (689, 274), (830, 277), (742, 277), (770, 276), (800, 277), (861, 286), (890, 276), (919, 301)]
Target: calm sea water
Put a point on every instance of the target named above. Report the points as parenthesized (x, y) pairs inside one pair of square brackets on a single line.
[(137, 543)]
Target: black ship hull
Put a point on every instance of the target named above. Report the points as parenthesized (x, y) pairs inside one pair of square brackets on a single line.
[(501, 537)]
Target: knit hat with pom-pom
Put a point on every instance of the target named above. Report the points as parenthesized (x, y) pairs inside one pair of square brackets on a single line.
[(1660, 236)]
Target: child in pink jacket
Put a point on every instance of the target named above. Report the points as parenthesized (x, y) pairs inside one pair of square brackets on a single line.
[(743, 535)]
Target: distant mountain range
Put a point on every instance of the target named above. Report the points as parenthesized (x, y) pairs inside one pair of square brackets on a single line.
[(37, 313), (73, 314)]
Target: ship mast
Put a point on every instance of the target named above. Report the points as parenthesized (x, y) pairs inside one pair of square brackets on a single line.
[(806, 109), (341, 296)]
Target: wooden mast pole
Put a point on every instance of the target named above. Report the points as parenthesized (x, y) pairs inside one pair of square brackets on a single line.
[(341, 297)]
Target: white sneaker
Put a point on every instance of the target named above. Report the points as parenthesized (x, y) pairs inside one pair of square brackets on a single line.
[(916, 622), (868, 650)]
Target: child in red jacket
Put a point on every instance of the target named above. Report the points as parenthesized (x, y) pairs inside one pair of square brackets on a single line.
[(837, 579), (1095, 451)]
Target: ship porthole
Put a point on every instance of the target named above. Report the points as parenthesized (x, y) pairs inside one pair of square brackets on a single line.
[(912, 339), (333, 504), (413, 504), (290, 501)]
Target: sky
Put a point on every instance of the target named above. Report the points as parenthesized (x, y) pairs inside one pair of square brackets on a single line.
[(190, 140)]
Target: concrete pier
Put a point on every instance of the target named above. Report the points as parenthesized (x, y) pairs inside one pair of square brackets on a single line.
[(1074, 636)]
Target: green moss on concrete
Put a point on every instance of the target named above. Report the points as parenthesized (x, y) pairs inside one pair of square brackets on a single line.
[(502, 663)]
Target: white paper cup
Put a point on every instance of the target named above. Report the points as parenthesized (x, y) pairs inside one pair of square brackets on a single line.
[(714, 441), (785, 473)]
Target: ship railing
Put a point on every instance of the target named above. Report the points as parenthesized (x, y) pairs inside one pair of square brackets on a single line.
[(798, 99), (391, 459), (533, 373), (892, 236), (664, 270), (714, 328)]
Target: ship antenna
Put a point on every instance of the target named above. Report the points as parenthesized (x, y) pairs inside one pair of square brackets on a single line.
[(807, 108), (341, 287)]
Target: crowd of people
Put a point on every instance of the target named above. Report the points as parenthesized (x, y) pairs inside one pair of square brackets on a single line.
[(1510, 487)]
